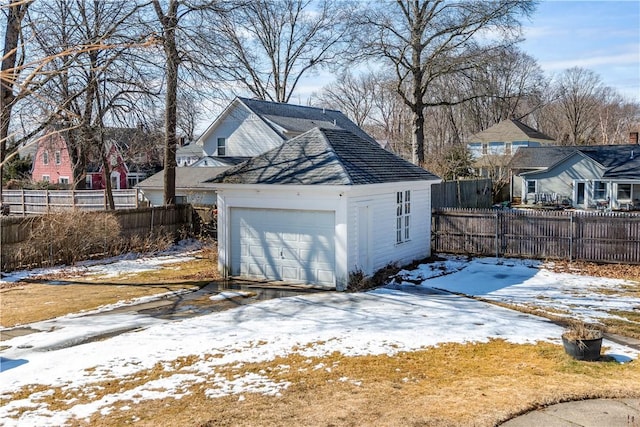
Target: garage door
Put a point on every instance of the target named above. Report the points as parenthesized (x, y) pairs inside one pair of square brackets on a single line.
[(290, 245)]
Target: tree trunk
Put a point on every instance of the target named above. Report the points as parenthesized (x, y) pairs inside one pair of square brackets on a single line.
[(169, 21), (15, 12)]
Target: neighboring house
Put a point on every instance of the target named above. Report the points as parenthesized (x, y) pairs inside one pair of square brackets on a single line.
[(586, 177), (52, 162), (189, 154), (249, 127), (321, 206), (492, 149), (191, 186), (132, 156)]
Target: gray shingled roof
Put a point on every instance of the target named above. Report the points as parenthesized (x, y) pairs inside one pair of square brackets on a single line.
[(621, 161), (325, 157), (299, 119), (509, 131), (186, 177), (539, 157)]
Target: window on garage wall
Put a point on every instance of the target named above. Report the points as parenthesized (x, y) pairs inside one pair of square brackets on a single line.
[(403, 216)]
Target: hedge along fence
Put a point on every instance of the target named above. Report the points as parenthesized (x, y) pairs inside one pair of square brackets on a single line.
[(569, 235), (65, 238)]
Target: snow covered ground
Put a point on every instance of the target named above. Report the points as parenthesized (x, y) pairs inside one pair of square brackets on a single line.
[(411, 313)]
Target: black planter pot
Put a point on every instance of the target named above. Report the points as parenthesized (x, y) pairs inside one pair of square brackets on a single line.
[(588, 350)]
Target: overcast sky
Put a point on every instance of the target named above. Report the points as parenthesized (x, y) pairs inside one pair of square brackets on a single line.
[(603, 36)]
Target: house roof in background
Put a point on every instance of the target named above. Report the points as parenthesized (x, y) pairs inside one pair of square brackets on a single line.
[(186, 177), (219, 161), (508, 131), (297, 119), (192, 149), (539, 157), (620, 161), (325, 157), (288, 120)]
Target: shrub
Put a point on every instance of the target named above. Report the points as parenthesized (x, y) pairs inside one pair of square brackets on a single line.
[(69, 237), (358, 281)]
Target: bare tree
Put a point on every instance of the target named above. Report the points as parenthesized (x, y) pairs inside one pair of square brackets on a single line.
[(92, 87), (12, 61), (353, 95), (425, 40), (580, 93), (513, 83), (188, 37), (273, 43)]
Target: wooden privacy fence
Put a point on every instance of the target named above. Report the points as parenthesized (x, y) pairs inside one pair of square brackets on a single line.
[(37, 202), (466, 193), (570, 235), (140, 223)]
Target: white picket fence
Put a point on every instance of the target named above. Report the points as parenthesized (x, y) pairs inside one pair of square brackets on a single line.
[(38, 202)]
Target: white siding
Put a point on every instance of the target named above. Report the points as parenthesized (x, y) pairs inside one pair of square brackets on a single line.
[(382, 208), (347, 204), (245, 134)]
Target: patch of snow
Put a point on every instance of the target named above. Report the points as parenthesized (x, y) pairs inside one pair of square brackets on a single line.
[(74, 352)]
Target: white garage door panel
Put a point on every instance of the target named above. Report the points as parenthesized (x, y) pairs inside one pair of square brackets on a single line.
[(277, 244)]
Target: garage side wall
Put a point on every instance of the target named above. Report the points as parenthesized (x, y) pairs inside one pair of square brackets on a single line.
[(381, 204)]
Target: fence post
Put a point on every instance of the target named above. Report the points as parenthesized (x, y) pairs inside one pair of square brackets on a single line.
[(497, 228), (571, 233)]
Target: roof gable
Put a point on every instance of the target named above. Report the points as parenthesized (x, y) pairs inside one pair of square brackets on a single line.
[(292, 120), (325, 157), (509, 131)]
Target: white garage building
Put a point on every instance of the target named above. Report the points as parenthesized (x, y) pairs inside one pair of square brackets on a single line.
[(320, 206)]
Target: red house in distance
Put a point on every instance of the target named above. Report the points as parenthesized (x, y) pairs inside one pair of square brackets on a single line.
[(128, 162)]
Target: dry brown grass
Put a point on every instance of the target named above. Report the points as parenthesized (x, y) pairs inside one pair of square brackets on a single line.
[(26, 302), (451, 385), (613, 271)]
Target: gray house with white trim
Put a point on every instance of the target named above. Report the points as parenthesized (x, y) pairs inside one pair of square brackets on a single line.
[(587, 177)]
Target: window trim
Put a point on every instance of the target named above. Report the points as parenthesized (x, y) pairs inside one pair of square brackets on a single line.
[(45, 157), (618, 191), (403, 216), (535, 186), (46, 178), (600, 193), (57, 157), (508, 148), (223, 146)]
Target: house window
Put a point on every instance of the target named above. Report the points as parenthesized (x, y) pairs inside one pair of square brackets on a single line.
[(221, 146), (56, 156), (63, 180), (403, 216), (507, 148), (45, 157), (624, 191), (88, 182), (531, 186), (600, 190), (485, 149), (46, 178)]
